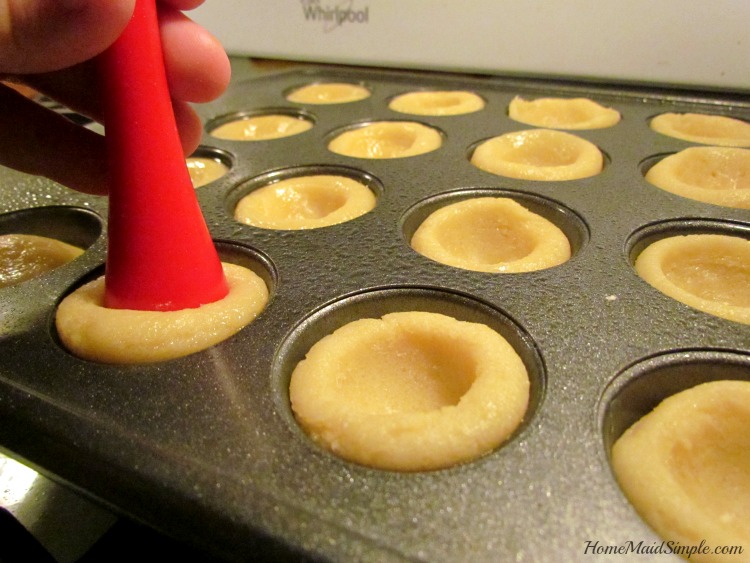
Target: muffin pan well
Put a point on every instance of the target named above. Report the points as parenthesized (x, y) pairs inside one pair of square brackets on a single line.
[(205, 448)]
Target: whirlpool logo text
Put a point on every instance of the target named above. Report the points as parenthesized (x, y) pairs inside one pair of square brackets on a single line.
[(334, 15)]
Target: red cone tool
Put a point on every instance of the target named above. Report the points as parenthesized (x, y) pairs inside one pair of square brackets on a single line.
[(160, 256)]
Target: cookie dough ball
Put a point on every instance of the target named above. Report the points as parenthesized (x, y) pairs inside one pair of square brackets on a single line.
[(411, 391), (329, 93), (93, 332), (262, 128), (24, 257), (718, 175), (708, 272), (685, 467), (539, 154), (438, 103), (387, 139), (491, 235), (563, 113), (305, 202), (204, 170), (704, 129)]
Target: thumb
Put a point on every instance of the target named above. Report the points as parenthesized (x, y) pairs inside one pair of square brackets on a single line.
[(44, 35)]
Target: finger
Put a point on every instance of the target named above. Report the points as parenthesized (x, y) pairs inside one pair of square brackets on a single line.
[(74, 87), (38, 141), (41, 142), (182, 4), (44, 35), (197, 66), (198, 70), (67, 87), (189, 125)]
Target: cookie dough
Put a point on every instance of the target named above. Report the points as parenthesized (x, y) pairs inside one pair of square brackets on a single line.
[(329, 93), (703, 128), (262, 128), (123, 336), (685, 467), (490, 234), (412, 391), (539, 154), (387, 139), (305, 202), (710, 273), (563, 113), (205, 170), (717, 175), (437, 103), (24, 257)]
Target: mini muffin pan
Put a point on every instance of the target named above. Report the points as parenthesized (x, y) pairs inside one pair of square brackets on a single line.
[(206, 449)]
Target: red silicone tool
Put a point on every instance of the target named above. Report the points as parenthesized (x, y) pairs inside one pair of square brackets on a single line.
[(160, 256)]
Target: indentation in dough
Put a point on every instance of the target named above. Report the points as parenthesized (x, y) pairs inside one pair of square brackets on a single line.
[(93, 332), (686, 466), (491, 235), (387, 139), (539, 154), (406, 373), (305, 202), (708, 272), (411, 391), (262, 128), (718, 453), (563, 113), (718, 175), (24, 257), (437, 103), (205, 170), (329, 93), (703, 128)]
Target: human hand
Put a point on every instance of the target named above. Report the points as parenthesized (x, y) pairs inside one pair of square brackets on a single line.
[(50, 45)]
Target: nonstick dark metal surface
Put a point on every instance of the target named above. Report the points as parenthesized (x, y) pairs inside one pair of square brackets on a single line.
[(205, 448)]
